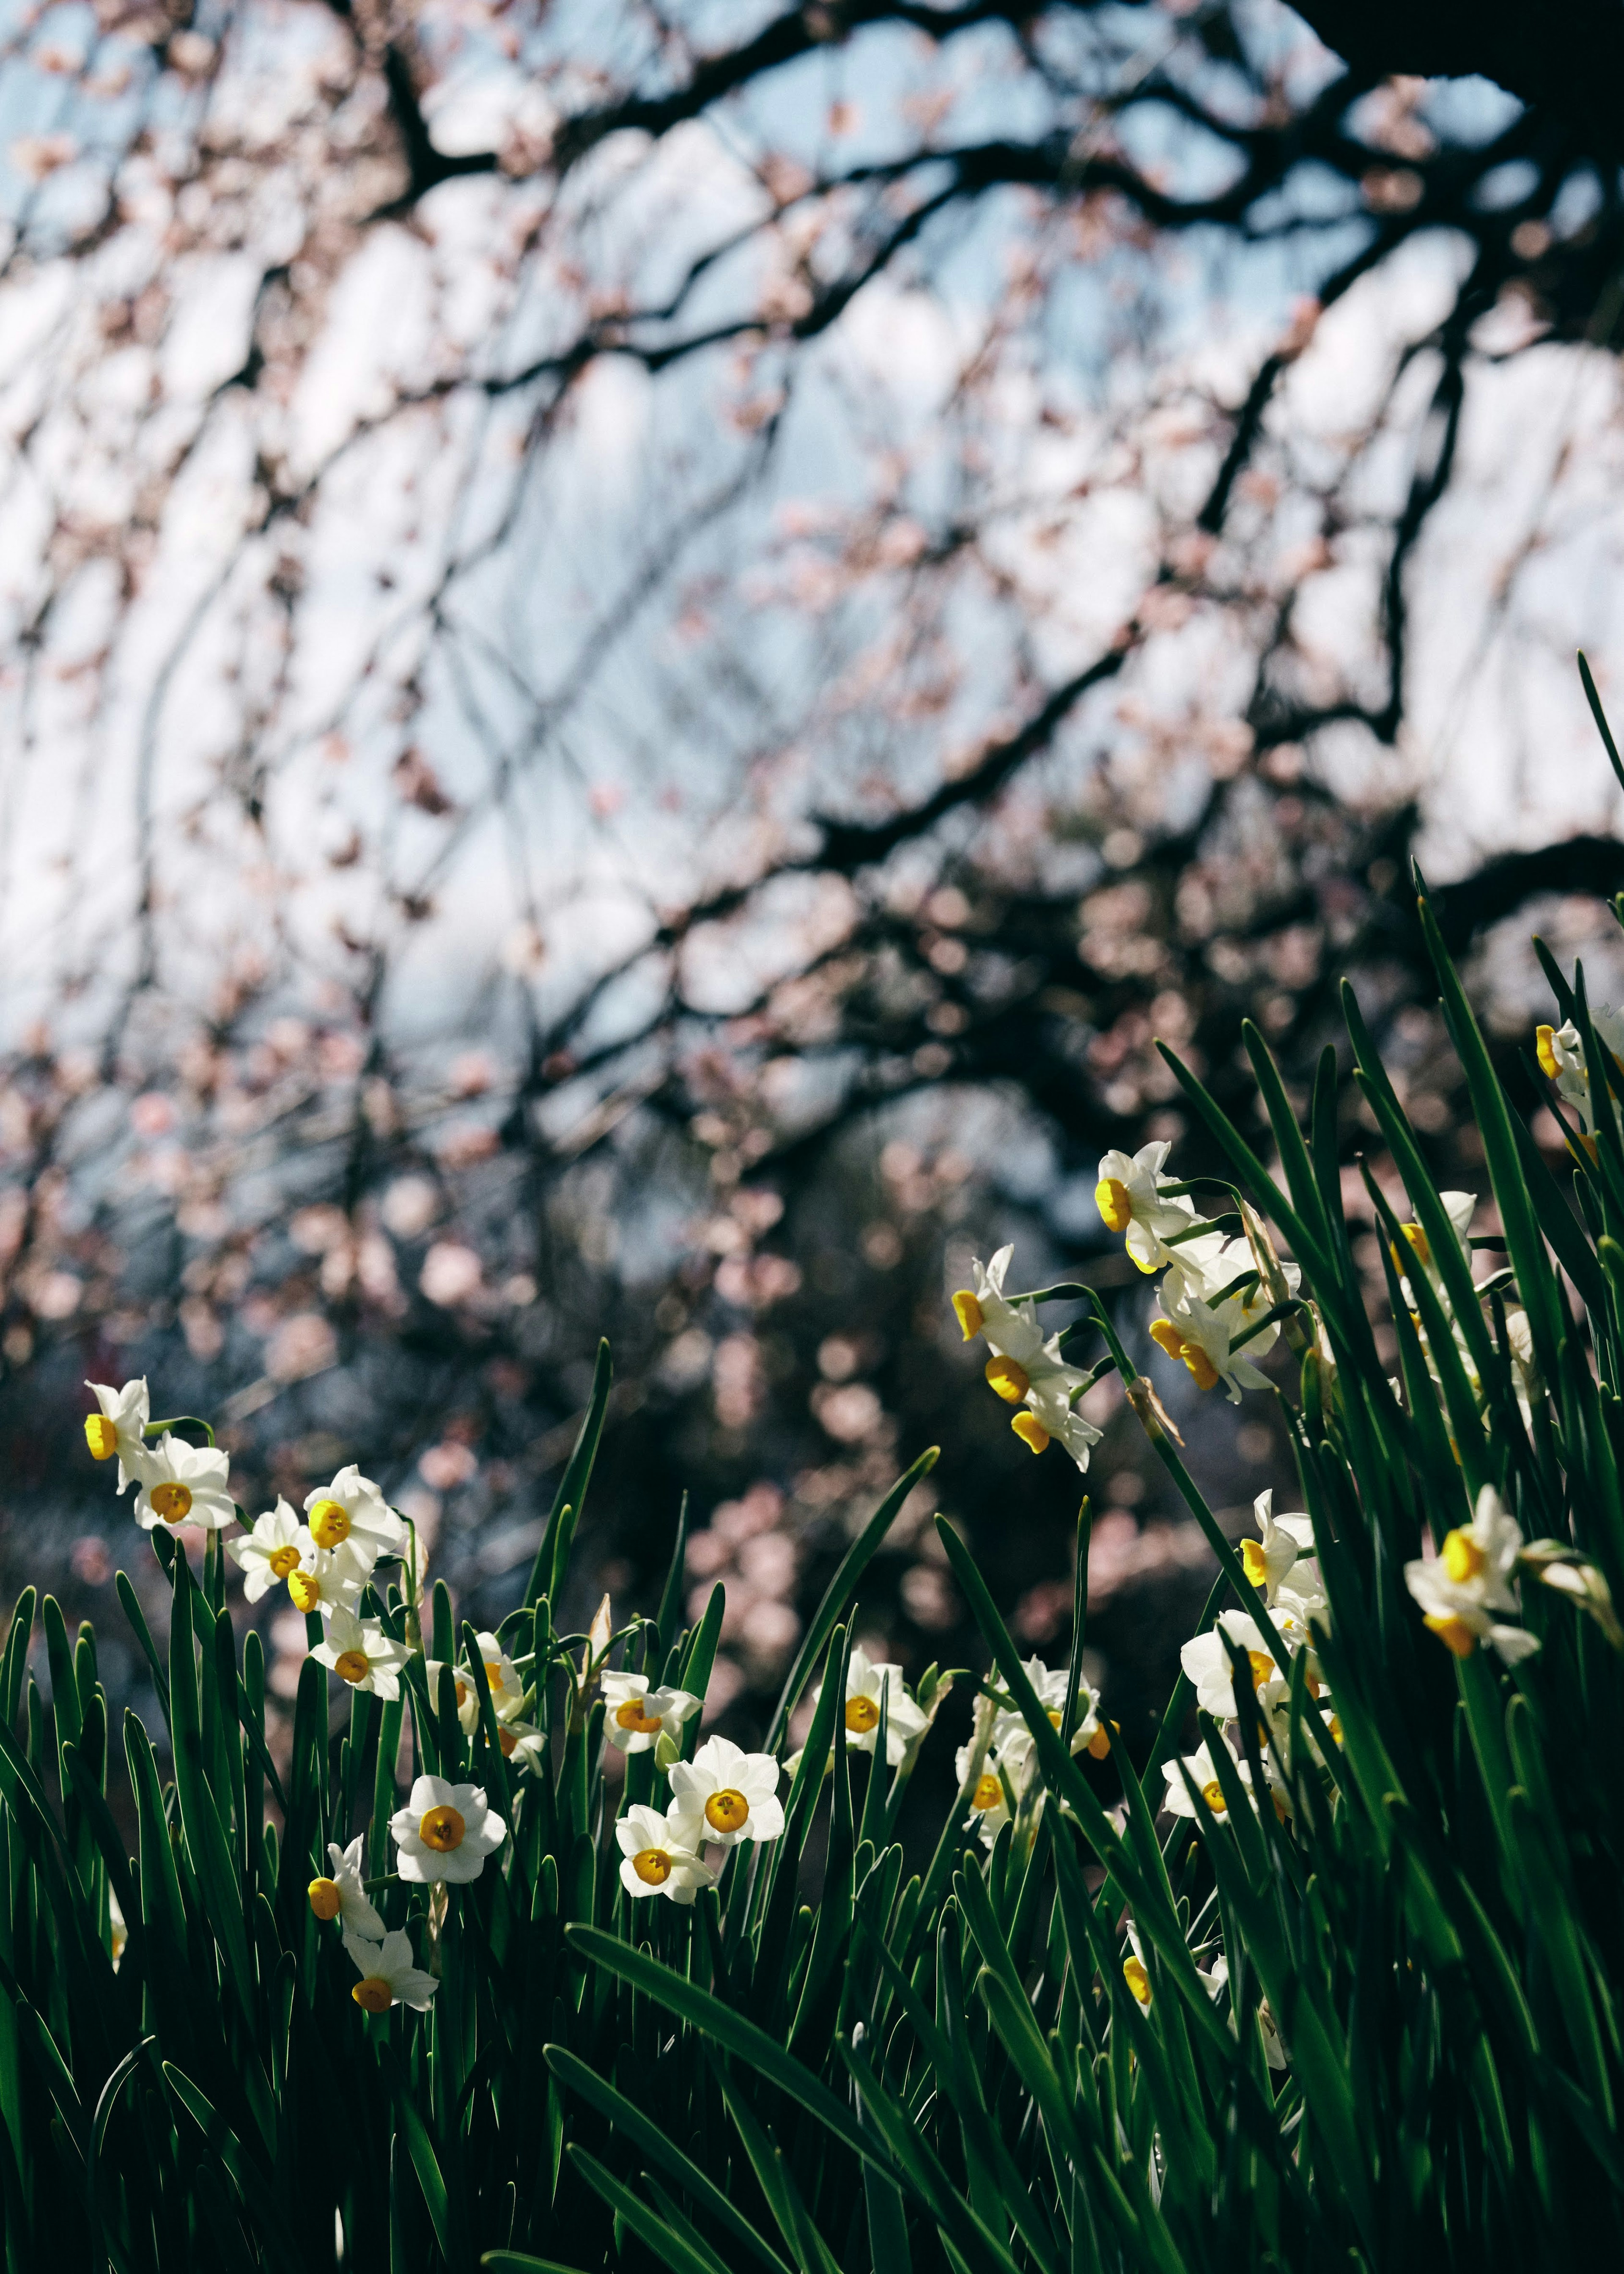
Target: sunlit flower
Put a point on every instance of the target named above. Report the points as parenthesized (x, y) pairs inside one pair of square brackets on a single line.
[(1560, 1051), (271, 1552), (501, 1679), (1203, 1332), (1050, 1417), (352, 1511), (1469, 1580), (725, 1795), (867, 1682), (115, 1430), (1207, 1664), (342, 1896), (185, 1484), (635, 1715), (360, 1653), (444, 1833), (1269, 1560), (1130, 1199), (1203, 1775), (1460, 1208), (657, 1857), (390, 1975), (326, 1583), (1021, 1355)]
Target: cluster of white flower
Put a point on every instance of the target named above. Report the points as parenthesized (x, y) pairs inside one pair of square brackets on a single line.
[(718, 1800), (1214, 1307), (999, 1765), (1280, 1566), (325, 1561)]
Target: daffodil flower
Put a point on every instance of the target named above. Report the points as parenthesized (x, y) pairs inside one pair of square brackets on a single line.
[(1089, 1735), (1469, 1580), (360, 1653), (1134, 1971), (725, 1796), (1561, 1051), (185, 1484), (1203, 1775), (115, 1432), (1460, 1208), (1211, 1673), (1203, 1332), (274, 1550), (1130, 1199), (635, 1715), (444, 1833), (324, 1582), (340, 1894), (1050, 1417), (989, 1802), (1216, 1979), (390, 1975), (1269, 1560), (657, 1857), (867, 1680), (351, 1511), (523, 1741)]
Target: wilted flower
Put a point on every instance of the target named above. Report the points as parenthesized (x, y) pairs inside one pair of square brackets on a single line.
[(659, 1858), (185, 1484), (274, 1550), (115, 1429), (636, 1715), (341, 1895), (360, 1653), (725, 1795), (1469, 1580), (444, 1833), (390, 1975)]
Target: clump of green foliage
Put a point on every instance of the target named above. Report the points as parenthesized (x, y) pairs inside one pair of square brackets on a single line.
[(1025, 2061)]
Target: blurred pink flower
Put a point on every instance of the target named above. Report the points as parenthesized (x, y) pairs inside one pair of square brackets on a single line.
[(301, 1345), (451, 1273)]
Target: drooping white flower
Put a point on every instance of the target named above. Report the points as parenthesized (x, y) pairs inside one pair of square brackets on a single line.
[(326, 1581), (1469, 1580), (1130, 1199), (725, 1795), (360, 1653), (115, 1430), (185, 1484), (1269, 1560), (1023, 1360), (444, 1833), (390, 1975), (1050, 1417), (636, 1715), (274, 1550), (867, 1680), (657, 1857), (351, 1511), (340, 1894), (1202, 1325)]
